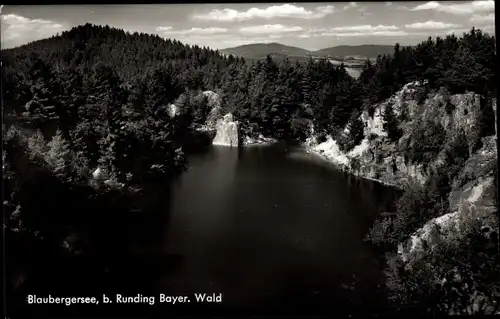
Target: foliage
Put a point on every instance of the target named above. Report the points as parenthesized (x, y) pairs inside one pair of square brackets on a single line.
[(460, 64), (391, 124), (459, 277), (97, 96), (426, 141), (486, 118), (354, 136)]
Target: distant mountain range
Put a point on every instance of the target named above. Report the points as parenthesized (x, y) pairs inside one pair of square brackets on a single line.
[(261, 50)]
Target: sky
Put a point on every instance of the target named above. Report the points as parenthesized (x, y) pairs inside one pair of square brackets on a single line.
[(311, 26)]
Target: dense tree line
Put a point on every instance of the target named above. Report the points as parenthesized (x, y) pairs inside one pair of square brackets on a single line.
[(266, 96), (460, 64), (101, 97)]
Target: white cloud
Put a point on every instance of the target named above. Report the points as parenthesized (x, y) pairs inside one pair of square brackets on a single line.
[(193, 31), (388, 4), (465, 8), (360, 30), (364, 34), (355, 31), (18, 30), (490, 18), (269, 29), (282, 11), (350, 5), (432, 25), (365, 28), (161, 29), (323, 11)]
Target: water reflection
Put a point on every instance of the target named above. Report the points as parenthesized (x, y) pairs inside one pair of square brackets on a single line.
[(268, 224)]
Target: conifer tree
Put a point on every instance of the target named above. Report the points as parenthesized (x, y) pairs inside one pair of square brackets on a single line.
[(390, 124)]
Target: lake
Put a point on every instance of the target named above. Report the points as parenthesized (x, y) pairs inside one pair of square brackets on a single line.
[(275, 230)]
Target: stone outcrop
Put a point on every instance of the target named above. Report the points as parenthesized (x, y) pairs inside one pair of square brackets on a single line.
[(227, 132), (173, 110), (378, 158), (259, 140), (215, 110), (100, 174)]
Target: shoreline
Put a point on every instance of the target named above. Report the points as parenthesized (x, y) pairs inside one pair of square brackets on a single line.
[(310, 150)]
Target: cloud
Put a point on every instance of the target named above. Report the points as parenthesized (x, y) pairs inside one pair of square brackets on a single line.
[(269, 29), (282, 11), (432, 25), (388, 4), (350, 5), (398, 33), (355, 31), (167, 30), (490, 18), (465, 8), (323, 11), (161, 29), (18, 30), (365, 28)]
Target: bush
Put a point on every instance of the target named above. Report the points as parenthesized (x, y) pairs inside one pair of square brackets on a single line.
[(460, 276), (421, 94), (457, 153), (416, 206), (380, 233), (404, 113), (449, 107), (321, 137), (391, 124), (427, 141), (354, 137), (355, 164), (299, 129), (486, 118)]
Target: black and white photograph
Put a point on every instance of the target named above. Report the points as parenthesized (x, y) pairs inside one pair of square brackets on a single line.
[(288, 159)]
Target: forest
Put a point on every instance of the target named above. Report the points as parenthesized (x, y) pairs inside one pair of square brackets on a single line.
[(96, 96)]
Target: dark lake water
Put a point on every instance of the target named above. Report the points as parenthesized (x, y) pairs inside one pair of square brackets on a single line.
[(273, 229)]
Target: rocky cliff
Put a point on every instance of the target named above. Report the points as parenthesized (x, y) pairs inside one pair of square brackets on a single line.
[(225, 129), (227, 132), (379, 158)]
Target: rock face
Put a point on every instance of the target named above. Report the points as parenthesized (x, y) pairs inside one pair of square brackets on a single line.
[(100, 174), (173, 110), (379, 158), (227, 132), (215, 110), (260, 140)]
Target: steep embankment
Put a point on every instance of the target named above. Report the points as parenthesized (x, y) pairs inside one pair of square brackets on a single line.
[(411, 158)]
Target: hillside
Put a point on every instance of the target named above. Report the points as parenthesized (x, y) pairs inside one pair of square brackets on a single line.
[(261, 50), (358, 51), (130, 55)]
